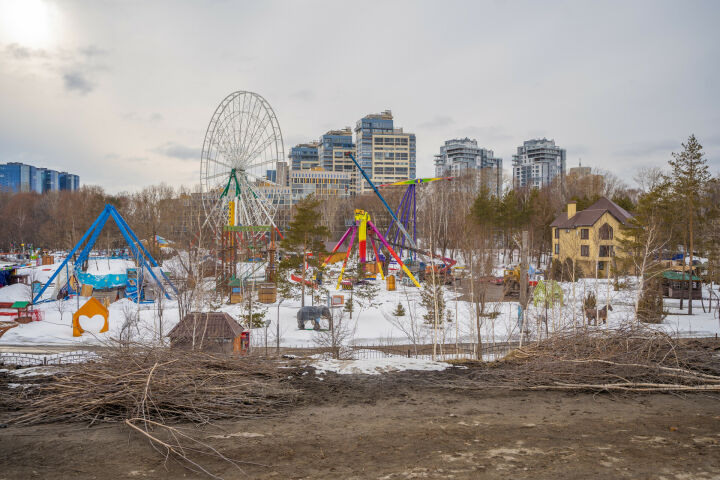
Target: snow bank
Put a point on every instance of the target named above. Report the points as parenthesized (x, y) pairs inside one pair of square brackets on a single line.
[(377, 366)]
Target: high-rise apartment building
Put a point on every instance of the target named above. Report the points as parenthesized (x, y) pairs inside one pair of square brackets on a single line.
[(68, 181), (19, 177), (332, 152), (304, 156), (386, 153), (461, 156), (537, 163)]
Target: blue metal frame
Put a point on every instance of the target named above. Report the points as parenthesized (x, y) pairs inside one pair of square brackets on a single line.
[(377, 192), (91, 237)]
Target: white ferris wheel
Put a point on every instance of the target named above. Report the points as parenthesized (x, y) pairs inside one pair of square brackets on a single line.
[(243, 141)]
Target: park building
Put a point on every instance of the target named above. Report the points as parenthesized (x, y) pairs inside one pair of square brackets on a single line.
[(319, 182), (591, 238), (462, 156), (386, 153), (19, 177), (537, 163)]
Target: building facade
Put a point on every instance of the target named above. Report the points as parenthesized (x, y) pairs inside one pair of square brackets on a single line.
[(459, 157), (18, 177), (319, 182), (304, 156), (590, 238), (537, 163), (333, 151), (386, 153)]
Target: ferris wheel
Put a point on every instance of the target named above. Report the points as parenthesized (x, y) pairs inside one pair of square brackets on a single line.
[(243, 141)]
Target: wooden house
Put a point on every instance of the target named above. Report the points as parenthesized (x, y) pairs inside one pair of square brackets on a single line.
[(208, 331), (675, 285)]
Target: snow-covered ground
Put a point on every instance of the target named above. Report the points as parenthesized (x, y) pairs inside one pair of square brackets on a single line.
[(371, 323), (377, 366)]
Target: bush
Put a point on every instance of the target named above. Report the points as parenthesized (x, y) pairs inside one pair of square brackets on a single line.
[(567, 270), (555, 270), (650, 306)]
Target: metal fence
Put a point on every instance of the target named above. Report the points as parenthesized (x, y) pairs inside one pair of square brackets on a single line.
[(462, 351)]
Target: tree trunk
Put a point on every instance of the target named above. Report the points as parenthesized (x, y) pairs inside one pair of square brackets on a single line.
[(690, 273)]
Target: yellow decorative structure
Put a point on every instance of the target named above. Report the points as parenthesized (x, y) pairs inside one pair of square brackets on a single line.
[(231, 213), (89, 309)]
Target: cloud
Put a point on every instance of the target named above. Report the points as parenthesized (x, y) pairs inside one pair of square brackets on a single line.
[(175, 150), (305, 94), (138, 117), (438, 121), (77, 82), (19, 52), (649, 148), (486, 135), (92, 51)]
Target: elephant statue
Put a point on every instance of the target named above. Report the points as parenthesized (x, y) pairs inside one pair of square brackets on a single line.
[(312, 313)]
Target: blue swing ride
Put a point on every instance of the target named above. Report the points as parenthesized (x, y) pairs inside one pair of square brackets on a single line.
[(140, 254)]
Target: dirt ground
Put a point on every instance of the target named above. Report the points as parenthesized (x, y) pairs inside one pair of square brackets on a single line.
[(406, 426)]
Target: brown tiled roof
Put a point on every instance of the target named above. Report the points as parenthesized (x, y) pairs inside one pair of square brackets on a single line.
[(219, 325), (592, 214)]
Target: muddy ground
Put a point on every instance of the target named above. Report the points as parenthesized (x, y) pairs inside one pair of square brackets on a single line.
[(404, 426)]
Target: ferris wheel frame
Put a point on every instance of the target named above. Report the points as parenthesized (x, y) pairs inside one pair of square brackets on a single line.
[(243, 138)]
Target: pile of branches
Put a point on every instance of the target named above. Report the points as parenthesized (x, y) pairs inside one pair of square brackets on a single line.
[(160, 385), (633, 358)]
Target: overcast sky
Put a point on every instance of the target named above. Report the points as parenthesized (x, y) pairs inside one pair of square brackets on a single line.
[(121, 92)]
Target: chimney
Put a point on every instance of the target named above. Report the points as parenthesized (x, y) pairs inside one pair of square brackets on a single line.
[(571, 209)]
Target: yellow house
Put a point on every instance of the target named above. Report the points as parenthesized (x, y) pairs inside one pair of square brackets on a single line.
[(590, 237)]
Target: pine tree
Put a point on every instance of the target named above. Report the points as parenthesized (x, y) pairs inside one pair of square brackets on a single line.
[(650, 306), (349, 306), (430, 296), (399, 311), (305, 235), (689, 179)]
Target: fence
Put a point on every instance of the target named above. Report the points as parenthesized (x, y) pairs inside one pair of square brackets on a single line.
[(461, 351), (32, 360)]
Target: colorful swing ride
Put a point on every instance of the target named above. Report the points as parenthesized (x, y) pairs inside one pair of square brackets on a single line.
[(360, 230), (403, 218), (406, 214)]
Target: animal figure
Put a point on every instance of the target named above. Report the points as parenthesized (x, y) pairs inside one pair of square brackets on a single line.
[(590, 313), (312, 313)]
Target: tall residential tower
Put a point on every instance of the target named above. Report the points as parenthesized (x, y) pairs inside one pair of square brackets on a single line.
[(537, 163), (386, 153), (462, 156)]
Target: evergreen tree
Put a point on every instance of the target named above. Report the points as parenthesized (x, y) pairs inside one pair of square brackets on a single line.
[(689, 181), (399, 310), (431, 296), (349, 306), (305, 237)]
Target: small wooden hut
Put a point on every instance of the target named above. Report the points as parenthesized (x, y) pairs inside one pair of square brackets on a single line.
[(675, 285), (208, 331)]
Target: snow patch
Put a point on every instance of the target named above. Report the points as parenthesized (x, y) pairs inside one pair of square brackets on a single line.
[(376, 366)]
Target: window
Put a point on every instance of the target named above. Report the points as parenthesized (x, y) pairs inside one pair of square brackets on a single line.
[(584, 250), (606, 232), (601, 265), (557, 249), (584, 233), (606, 251), (557, 233)]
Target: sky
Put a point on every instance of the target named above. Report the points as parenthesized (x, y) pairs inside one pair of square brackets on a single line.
[(121, 93)]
